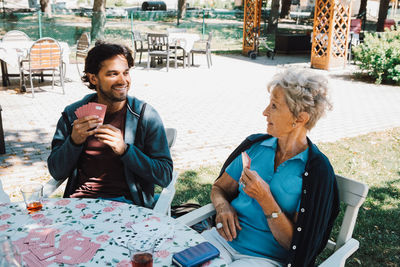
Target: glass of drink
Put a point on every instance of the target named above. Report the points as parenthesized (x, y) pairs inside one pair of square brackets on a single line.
[(32, 194), (141, 253)]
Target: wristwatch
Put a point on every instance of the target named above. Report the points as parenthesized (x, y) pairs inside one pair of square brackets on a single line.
[(273, 215)]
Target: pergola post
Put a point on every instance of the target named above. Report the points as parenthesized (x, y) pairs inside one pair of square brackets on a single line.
[(330, 34), (251, 23)]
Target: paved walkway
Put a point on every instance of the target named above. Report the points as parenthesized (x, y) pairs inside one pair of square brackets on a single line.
[(212, 109)]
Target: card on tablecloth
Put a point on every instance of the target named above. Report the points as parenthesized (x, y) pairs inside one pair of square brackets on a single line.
[(43, 237), (71, 239), (44, 253), (32, 261)]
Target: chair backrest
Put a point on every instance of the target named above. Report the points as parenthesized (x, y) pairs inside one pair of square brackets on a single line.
[(45, 54), (137, 36), (171, 30), (171, 136), (355, 25), (157, 41), (4, 198), (353, 194), (82, 46), (15, 36)]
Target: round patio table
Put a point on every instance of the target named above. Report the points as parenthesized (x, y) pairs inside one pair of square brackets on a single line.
[(104, 222)]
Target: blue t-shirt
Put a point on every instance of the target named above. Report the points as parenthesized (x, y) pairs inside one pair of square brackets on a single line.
[(256, 238)]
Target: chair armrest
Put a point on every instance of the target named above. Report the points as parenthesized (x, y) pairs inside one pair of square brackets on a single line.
[(163, 204), (51, 186), (198, 215), (338, 258)]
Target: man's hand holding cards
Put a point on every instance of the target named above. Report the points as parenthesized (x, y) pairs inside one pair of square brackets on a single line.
[(90, 116)]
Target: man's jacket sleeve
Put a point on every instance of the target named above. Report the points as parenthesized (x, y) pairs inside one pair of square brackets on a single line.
[(64, 153)]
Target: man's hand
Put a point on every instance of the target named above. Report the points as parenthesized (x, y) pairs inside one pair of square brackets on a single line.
[(227, 215), (112, 137), (254, 186), (84, 127)]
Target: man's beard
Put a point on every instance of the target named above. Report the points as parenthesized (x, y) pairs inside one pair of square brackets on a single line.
[(109, 96)]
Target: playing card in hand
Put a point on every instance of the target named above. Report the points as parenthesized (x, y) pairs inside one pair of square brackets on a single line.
[(246, 160), (91, 109)]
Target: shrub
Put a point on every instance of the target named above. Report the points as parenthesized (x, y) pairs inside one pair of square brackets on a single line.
[(379, 56)]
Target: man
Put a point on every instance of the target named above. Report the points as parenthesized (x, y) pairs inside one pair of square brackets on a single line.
[(122, 157)]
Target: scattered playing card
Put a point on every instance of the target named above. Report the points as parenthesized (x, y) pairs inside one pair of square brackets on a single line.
[(246, 160)]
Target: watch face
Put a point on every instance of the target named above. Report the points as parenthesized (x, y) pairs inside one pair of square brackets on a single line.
[(274, 215)]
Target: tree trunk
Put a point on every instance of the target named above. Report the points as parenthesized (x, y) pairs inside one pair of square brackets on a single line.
[(98, 19), (273, 17), (383, 9), (285, 11), (363, 7), (181, 8), (45, 7)]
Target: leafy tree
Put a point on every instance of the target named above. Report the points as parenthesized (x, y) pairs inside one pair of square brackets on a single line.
[(182, 8), (383, 10), (285, 11), (363, 7), (98, 19), (273, 17), (45, 7)]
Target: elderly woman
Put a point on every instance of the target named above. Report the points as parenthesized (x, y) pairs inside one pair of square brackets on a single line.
[(278, 206)]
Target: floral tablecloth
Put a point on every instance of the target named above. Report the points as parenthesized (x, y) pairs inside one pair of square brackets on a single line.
[(102, 221)]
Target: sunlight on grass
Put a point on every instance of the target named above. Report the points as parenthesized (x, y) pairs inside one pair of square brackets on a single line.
[(373, 159)]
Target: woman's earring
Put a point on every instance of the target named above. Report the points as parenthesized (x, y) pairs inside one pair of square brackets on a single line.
[(293, 124)]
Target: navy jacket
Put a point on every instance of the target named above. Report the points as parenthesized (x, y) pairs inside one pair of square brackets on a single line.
[(319, 204), (147, 160)]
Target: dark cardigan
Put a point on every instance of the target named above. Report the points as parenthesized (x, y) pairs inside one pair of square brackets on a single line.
[(319, 205)]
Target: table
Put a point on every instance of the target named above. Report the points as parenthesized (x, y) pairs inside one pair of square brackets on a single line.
[(102, 221), (11, 51), (184, 40)]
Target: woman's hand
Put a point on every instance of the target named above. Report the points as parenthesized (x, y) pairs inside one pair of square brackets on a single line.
[(253, 185), (227, 215)]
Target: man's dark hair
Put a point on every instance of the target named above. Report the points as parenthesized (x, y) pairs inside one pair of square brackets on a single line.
[(101, 52)]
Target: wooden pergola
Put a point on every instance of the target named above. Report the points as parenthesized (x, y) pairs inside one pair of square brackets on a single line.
[(330, 31)]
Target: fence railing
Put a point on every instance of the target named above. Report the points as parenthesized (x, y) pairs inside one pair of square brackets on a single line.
[(226, 25)]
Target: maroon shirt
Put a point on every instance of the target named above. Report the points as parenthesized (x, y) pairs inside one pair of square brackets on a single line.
[(100, 170)]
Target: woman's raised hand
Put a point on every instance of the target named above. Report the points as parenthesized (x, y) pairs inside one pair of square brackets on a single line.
[(253, 185)]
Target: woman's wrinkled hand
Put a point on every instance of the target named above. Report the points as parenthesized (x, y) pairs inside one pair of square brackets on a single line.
[(253, 185), (227, 215)]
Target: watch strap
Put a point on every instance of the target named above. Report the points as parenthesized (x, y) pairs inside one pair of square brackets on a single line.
[(273, 215)]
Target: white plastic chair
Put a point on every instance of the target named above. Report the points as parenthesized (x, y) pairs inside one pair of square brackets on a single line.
[(4, 198), (163, 204), (351, 192)]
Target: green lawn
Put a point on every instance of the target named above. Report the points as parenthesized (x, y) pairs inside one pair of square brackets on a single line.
[(374, 159)]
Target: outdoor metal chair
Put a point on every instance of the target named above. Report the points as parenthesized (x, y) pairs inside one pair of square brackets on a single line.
[(44, 55), (163, 205), (352, 193), (82, 48), (139, 45), (159, 47), (16, 36), (206, 50)]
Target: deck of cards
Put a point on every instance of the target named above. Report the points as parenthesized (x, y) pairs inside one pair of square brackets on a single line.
[(91, 109)]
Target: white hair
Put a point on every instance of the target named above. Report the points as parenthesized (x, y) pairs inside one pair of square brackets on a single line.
[(305, 91)]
